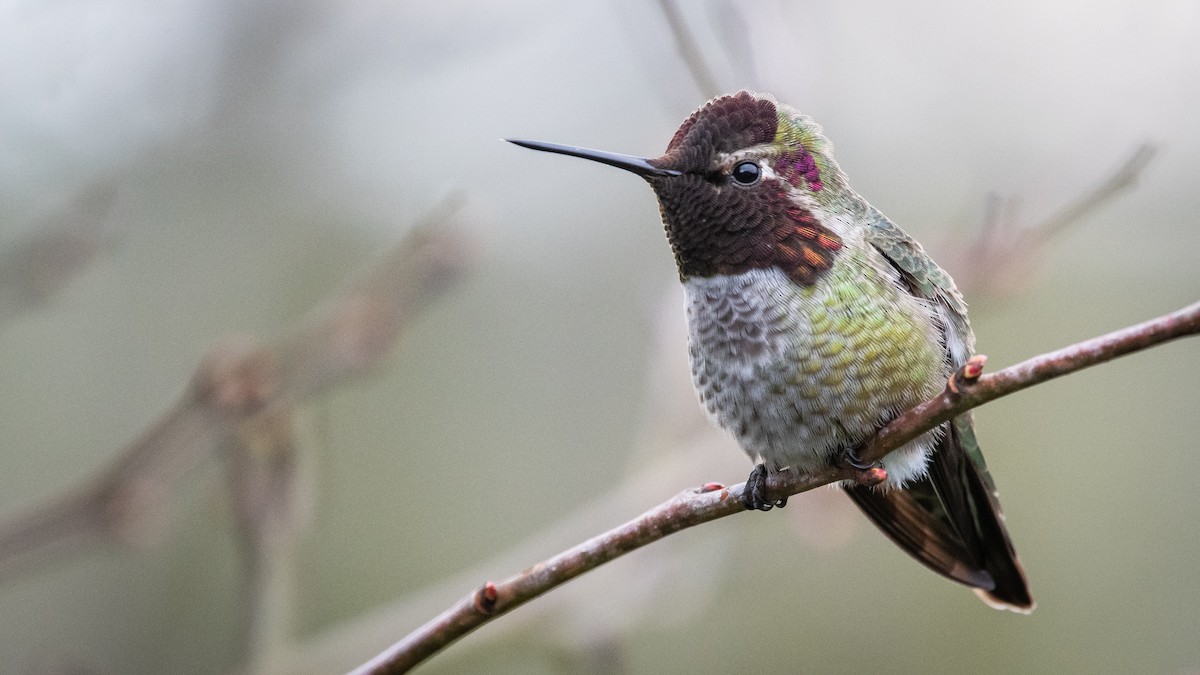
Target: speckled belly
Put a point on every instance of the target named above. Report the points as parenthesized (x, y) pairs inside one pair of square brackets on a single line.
[(798, 372)]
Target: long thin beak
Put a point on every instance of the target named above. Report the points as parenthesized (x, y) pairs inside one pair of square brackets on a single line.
[(638, 165)]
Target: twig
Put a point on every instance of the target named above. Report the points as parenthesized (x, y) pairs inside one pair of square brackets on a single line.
[(1123, 178), (35, 267), (1033, 371), (1000, 254), (265, 491), (688, 50), (966, 389)]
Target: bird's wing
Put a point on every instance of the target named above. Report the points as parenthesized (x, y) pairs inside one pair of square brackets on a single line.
[(950, 520)]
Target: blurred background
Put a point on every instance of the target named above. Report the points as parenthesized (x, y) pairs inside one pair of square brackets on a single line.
[(179, 172)]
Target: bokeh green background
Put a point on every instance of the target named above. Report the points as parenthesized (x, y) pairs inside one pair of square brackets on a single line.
[(263, 150)]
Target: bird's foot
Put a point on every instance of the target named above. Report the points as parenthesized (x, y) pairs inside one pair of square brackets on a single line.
[(754, 497), (866, 473), (850, 458)]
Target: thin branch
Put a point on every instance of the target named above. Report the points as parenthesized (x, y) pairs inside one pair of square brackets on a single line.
[(265, 480), (1123, 178), (689, 51), (38, 265), (999, 256), (966, 389), (1036, 370)]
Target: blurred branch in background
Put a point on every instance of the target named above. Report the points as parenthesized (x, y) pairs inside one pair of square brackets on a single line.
[(270, 505), (689, 50), (1123, 178), (1000, 257), (240, 401), (34, 268), (968, 388)]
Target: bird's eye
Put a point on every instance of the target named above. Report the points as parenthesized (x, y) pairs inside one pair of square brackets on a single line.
[(746, 173)]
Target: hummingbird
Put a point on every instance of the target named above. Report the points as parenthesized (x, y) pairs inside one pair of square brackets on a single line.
[(813, 320)]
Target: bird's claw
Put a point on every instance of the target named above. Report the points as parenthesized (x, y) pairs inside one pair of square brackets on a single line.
[(754, 497), (850, 458)]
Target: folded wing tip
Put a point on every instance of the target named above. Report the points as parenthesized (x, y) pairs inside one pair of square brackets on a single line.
[(1024, 606)]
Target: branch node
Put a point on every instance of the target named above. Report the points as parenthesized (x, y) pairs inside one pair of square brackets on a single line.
[(709, 487), (237, 377), (871, 476), (486, 597), (967, 374)]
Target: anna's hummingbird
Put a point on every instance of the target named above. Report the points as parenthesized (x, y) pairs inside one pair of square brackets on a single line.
[(814, 320)]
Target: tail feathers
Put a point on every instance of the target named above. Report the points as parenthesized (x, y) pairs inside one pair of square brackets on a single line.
[(1026, 605), (951, 522), (921, 532)]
